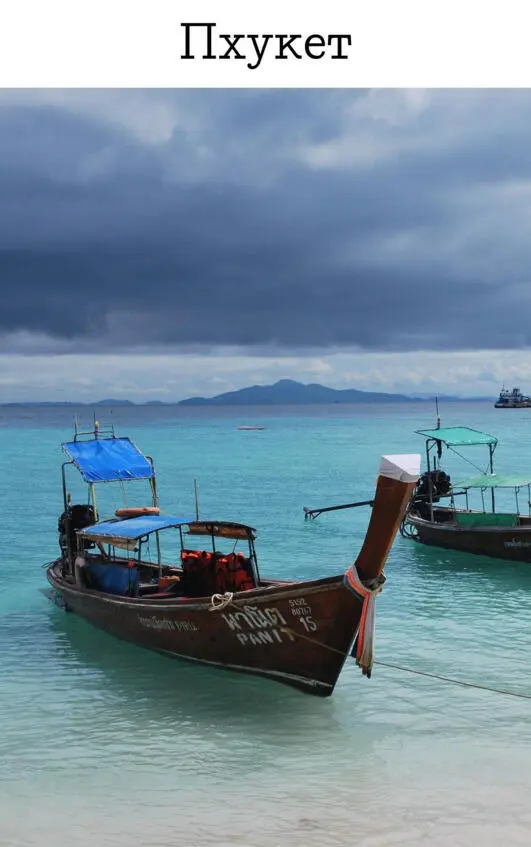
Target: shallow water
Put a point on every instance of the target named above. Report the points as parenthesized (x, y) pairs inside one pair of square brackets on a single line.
[(104, 743)]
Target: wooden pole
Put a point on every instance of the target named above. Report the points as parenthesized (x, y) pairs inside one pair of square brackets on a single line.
[(196, 500)]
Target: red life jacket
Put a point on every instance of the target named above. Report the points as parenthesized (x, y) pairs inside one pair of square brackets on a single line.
[(241, 580), (222, 574)]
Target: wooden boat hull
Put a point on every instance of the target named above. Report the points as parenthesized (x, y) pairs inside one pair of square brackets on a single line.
[(513, 543), (296, 633)]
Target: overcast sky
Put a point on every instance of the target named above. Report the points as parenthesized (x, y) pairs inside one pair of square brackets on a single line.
[(157, 244)]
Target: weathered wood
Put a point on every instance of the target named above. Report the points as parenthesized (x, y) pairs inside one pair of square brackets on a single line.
[(298, 633), (268, 632)]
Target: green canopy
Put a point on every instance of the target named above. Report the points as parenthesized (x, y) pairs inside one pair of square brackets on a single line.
[(458, 436), (494, 481)]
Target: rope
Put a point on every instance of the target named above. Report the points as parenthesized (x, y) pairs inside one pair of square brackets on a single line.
[(407, 530), (455, 681), (124, 494), (469, 461), (440, 677), (218, 602), (291, 631)]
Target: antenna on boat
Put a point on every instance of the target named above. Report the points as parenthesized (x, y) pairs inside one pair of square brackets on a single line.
[(96, 427), (75, 427), (196, 500), (437, 411)]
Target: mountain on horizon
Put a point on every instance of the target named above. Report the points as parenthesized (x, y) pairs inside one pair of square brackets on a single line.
[(288, 392), (112, 402), (285, 392)]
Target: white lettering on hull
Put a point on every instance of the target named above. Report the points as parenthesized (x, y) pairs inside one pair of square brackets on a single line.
[(253, 618), (264, 636), (302, 610), (166, 624), (259, 627)]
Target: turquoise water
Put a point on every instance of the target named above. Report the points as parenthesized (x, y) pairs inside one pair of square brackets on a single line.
[(103, 743)]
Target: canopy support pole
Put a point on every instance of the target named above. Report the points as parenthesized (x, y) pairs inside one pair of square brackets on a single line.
[(196, 500), (254, 563), (153, 481), (159, 560), (491, 467), (92, 495)]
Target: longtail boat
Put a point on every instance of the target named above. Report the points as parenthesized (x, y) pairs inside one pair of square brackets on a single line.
[(209, 604), (485, 530)]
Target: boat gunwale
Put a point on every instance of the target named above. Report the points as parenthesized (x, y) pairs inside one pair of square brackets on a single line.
[(448, 526), (280, 590)]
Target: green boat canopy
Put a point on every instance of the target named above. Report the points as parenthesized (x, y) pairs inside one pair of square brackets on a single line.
[(458, 436), (494, 481)]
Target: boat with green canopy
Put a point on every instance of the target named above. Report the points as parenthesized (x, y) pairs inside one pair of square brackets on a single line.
[(464, 515)]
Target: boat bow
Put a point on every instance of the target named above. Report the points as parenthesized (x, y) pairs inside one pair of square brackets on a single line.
[(396, 481)]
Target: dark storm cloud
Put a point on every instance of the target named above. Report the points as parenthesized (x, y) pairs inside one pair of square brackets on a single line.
[(299, 219)]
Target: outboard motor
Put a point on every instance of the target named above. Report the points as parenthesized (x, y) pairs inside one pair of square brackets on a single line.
[(436, 482), (74, 518), (432, 485)]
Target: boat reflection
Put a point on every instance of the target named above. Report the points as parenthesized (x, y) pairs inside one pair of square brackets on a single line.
[(148, 688), (453, 564)]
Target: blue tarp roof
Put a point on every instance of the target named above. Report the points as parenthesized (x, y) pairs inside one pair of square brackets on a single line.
[(108, 460), (132, 528)]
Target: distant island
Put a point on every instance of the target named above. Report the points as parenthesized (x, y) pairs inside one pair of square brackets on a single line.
[(285, 392)]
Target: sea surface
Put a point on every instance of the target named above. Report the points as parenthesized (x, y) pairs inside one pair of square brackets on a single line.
[(102, 743)]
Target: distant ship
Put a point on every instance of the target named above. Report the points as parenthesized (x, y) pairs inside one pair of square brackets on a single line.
[(513, 399)]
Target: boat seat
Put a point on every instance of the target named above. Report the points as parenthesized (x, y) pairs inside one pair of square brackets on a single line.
[(148, 587)]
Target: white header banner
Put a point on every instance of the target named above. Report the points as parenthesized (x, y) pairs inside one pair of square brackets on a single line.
[(290, 44)]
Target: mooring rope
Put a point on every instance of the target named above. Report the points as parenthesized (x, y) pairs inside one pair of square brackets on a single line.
[(455, 681), (221, 601)]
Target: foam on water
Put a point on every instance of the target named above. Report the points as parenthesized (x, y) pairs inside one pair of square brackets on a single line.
[(103, 743)]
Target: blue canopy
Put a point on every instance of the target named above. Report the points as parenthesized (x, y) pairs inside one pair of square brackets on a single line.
[(131, 529), (108, 460)]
